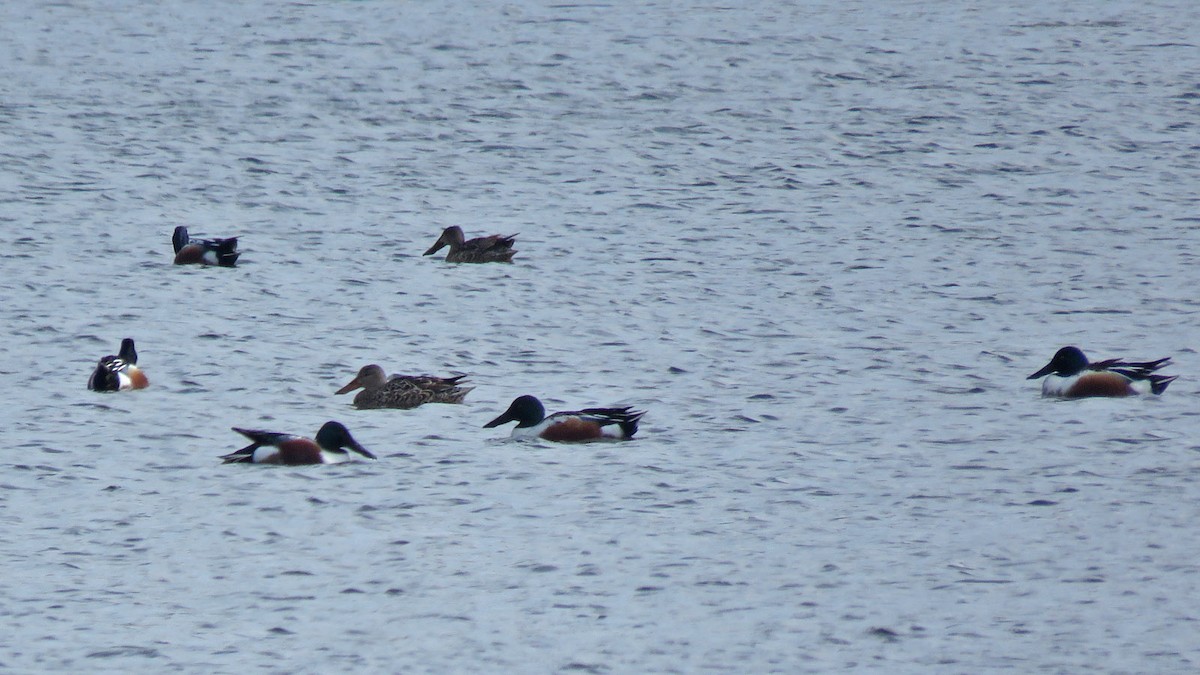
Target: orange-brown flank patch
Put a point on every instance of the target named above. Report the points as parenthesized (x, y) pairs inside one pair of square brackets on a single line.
[(192, 254), (573, 429), (1100, 384), (295, 452), (138, 379)]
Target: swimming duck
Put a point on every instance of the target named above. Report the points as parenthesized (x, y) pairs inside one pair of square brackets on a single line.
[(115, 373), (1070, 375), (494, 248), (402, 391), (270, 447), (189, 251), (589, 424)]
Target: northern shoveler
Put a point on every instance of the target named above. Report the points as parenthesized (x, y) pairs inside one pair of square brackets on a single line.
[(270, 447), (402, 391), (589, 424), (1071, 375), (494, 248), (189, 251), (115, 373)]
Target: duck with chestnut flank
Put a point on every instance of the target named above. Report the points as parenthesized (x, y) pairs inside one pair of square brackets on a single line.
[(196, 251), (589, 424), (1070, 375), (270, 447), (119, 372)]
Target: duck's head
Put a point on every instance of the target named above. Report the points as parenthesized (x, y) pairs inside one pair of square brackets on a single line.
[(1066, 362), (334, 437), (451, 236), (525, 410), (370, 377)]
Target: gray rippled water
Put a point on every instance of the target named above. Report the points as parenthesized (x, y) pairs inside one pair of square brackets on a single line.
[(823, 244)]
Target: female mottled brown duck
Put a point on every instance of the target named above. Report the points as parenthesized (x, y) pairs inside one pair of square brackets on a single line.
[(494, 248), (403, 391)]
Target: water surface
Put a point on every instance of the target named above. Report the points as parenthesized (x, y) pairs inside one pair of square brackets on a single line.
[(822, 243)]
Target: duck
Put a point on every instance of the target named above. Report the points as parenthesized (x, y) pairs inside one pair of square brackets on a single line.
[(589, 424), (1070, 375), (195, 251), (402, 391), (493, 248), (119, 372), (331, 446)]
